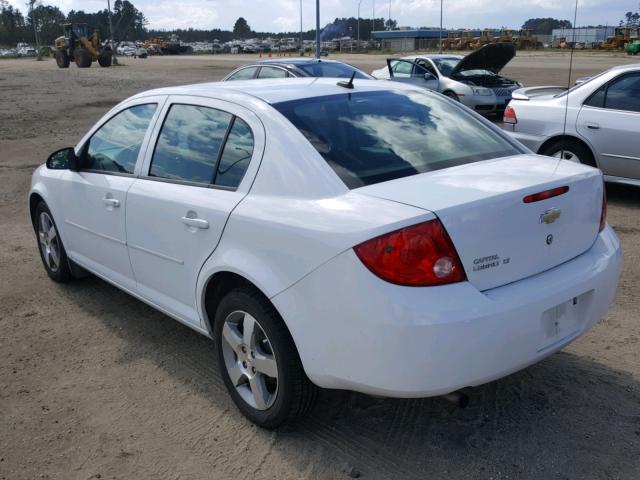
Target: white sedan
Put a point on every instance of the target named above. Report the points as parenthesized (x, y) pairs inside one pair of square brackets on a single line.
[(597, 122), (368, 236)]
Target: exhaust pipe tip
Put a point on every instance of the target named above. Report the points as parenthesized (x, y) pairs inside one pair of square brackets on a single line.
[(459, 399)]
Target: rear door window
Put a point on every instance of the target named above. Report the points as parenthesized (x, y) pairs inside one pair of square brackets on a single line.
[(236, 155), (371, 137), (202, 145), (272, 72), (189, 143), (623, 93)]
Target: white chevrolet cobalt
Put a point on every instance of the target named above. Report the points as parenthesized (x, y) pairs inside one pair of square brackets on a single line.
[(358, 235)]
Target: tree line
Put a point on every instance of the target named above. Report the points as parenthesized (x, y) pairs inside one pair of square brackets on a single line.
[(128, 22)]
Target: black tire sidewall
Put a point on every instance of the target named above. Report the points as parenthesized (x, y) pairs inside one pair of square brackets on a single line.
[(584, 154), (452, 96), (281, 343), (63, 274)]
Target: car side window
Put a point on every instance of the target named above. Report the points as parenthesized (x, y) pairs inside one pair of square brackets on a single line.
[(272, 72), (236, 155), (189, 143), (597, 98), (429, 67), (402, 69), (624, 93), (244, 74), (114, 147)]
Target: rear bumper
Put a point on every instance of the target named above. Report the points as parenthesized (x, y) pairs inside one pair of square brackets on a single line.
[(532, 142), (356, 332)]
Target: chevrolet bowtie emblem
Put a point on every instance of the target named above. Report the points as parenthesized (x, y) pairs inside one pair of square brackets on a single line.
[(550, 215)]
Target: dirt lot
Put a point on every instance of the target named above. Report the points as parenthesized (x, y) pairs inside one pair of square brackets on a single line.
[(94, 384)]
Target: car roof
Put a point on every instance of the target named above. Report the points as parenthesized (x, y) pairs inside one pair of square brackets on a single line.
[(292, 61), (433, 55), (278, 90), (631, 66)]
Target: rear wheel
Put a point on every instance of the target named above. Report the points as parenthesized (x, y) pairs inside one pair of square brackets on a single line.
[(52, 252), (572, 150), (259, 361), (62, 58), (82, 57)]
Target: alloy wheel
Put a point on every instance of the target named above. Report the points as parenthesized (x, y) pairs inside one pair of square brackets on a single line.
[(567, 155), (49, 241), (249, 360)]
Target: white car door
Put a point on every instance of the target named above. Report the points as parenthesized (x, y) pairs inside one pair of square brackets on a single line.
[(205, 157), (92, 200), (410, 71), (610, 121)]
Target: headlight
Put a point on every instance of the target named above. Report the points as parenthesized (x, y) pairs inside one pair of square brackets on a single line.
[(481, 91)]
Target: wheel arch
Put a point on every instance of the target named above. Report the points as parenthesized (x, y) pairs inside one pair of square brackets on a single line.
[(34, 199), (565, 136), (220, 283)]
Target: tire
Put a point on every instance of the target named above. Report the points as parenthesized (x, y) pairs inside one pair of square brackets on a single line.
[(52, 252), (82, 57), (62, 59), (451, 95), (569, 149), (286, 397), (104, 60)]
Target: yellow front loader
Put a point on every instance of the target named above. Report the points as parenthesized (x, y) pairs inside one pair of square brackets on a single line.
[(82, 46)]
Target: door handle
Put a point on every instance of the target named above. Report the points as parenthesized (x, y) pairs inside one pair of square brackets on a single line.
[(195, 222), (111, 202), (593, 126)]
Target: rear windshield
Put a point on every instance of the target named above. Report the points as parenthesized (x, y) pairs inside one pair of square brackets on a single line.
[(372, 137), (330, 69)]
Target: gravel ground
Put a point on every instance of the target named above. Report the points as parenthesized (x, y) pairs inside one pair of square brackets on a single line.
[(95, 384)]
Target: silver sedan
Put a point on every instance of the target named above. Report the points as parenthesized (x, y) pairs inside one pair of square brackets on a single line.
[(473, 80), (596, 122)]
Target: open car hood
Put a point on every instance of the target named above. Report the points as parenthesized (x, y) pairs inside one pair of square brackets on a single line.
[(492, 57)]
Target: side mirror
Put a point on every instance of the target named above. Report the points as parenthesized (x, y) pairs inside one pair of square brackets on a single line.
[(429, 76), (63, 159)]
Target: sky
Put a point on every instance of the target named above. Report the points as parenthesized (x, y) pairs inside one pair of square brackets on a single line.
[(284, 15)]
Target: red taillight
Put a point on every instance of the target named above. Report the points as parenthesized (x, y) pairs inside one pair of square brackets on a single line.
[(554, 192), (603, 213), (510, 116), (417, 256)]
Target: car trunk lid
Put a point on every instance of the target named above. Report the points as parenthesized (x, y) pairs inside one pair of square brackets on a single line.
[(500, 238)]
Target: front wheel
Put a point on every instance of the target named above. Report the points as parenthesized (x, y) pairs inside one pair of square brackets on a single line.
[(571, 150), (259, 362), (52, 252), (62, 59), (451, 95), (82, 57)]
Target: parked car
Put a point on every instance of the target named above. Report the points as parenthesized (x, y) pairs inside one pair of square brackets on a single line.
[(295, 67), (597, 122), (473, 80), (358, 235)]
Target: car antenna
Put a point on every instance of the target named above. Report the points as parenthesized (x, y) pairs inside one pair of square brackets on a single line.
[(348, 84), (566, 105)]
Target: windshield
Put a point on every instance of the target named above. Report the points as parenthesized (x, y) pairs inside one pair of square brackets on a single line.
[(446, 65), (372, 137), (331, 69)]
